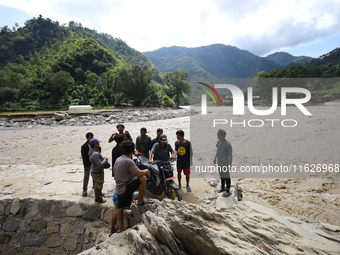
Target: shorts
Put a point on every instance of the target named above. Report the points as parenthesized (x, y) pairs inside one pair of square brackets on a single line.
[(186, 171), (125, 199)]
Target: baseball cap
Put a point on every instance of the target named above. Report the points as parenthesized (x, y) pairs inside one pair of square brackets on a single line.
[(163, 138), (93, 141)]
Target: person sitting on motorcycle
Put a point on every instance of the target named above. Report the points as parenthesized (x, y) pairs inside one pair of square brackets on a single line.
[(161, 150)]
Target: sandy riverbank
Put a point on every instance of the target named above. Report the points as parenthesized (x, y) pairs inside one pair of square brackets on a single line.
[(46, 162)]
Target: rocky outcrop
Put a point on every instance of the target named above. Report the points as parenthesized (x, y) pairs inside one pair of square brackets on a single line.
[(177, 227)]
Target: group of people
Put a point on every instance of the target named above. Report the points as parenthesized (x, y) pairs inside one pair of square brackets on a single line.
[(129, 177)]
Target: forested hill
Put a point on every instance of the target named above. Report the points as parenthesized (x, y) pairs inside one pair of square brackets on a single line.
[(314, 72), (217, 60), (40, 33), (45, 65), (286, 59)]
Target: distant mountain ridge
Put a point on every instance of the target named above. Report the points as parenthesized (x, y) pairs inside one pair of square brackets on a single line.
[(219, 61), (285, 59)]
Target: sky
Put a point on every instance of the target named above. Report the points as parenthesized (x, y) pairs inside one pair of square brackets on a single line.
[(299, 27)]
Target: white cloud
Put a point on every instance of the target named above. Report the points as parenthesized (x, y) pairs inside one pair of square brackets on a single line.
[(258, 26)]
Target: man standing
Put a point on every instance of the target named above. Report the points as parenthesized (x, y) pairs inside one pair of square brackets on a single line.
[(97, 169), (183, 150), (85, 148), (120, 129), (161, 150), (125, 170), (224, 161), (117, 151), (143, 143), (156, 140)]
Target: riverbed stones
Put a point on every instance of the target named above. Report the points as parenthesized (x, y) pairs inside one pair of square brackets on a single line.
[(88, 119), (58, 116)]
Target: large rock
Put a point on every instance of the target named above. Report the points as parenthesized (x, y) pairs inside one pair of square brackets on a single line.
[(24, 207), (51, 228), (38, 225), (53, 241), (4, 239), (58, 116), (10, 226), (15, 206), (173, 227), (2, 209), (30, 239), (74, 210), (93, 213)]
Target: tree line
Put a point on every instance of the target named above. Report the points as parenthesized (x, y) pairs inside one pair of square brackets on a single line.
[(318, 76)]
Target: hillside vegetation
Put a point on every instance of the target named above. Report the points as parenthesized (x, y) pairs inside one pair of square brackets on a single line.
[(320, 75), (47, 66)]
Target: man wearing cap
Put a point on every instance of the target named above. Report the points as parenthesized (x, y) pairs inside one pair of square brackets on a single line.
[(143, 143), (156, 140), (97, 169), (161, 150)]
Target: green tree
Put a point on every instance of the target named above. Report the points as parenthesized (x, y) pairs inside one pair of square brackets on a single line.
[(177, 81), (135, 83)]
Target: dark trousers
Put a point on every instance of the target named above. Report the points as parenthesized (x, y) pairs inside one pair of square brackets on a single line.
[(98, 185), (225, 182), (87, 178)]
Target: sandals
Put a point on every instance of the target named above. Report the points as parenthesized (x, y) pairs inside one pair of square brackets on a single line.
[(188, 189), (226, 194), (145, 201), (114, 232)]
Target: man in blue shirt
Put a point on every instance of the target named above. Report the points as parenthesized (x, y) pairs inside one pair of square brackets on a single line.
[(224, 156)]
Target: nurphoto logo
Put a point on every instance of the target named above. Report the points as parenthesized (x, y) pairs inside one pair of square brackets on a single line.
[(238, 104)]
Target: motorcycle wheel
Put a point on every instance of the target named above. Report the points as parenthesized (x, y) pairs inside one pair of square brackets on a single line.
[(174, 194)]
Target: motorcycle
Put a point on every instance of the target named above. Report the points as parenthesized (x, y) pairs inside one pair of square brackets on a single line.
[(161, 178)]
